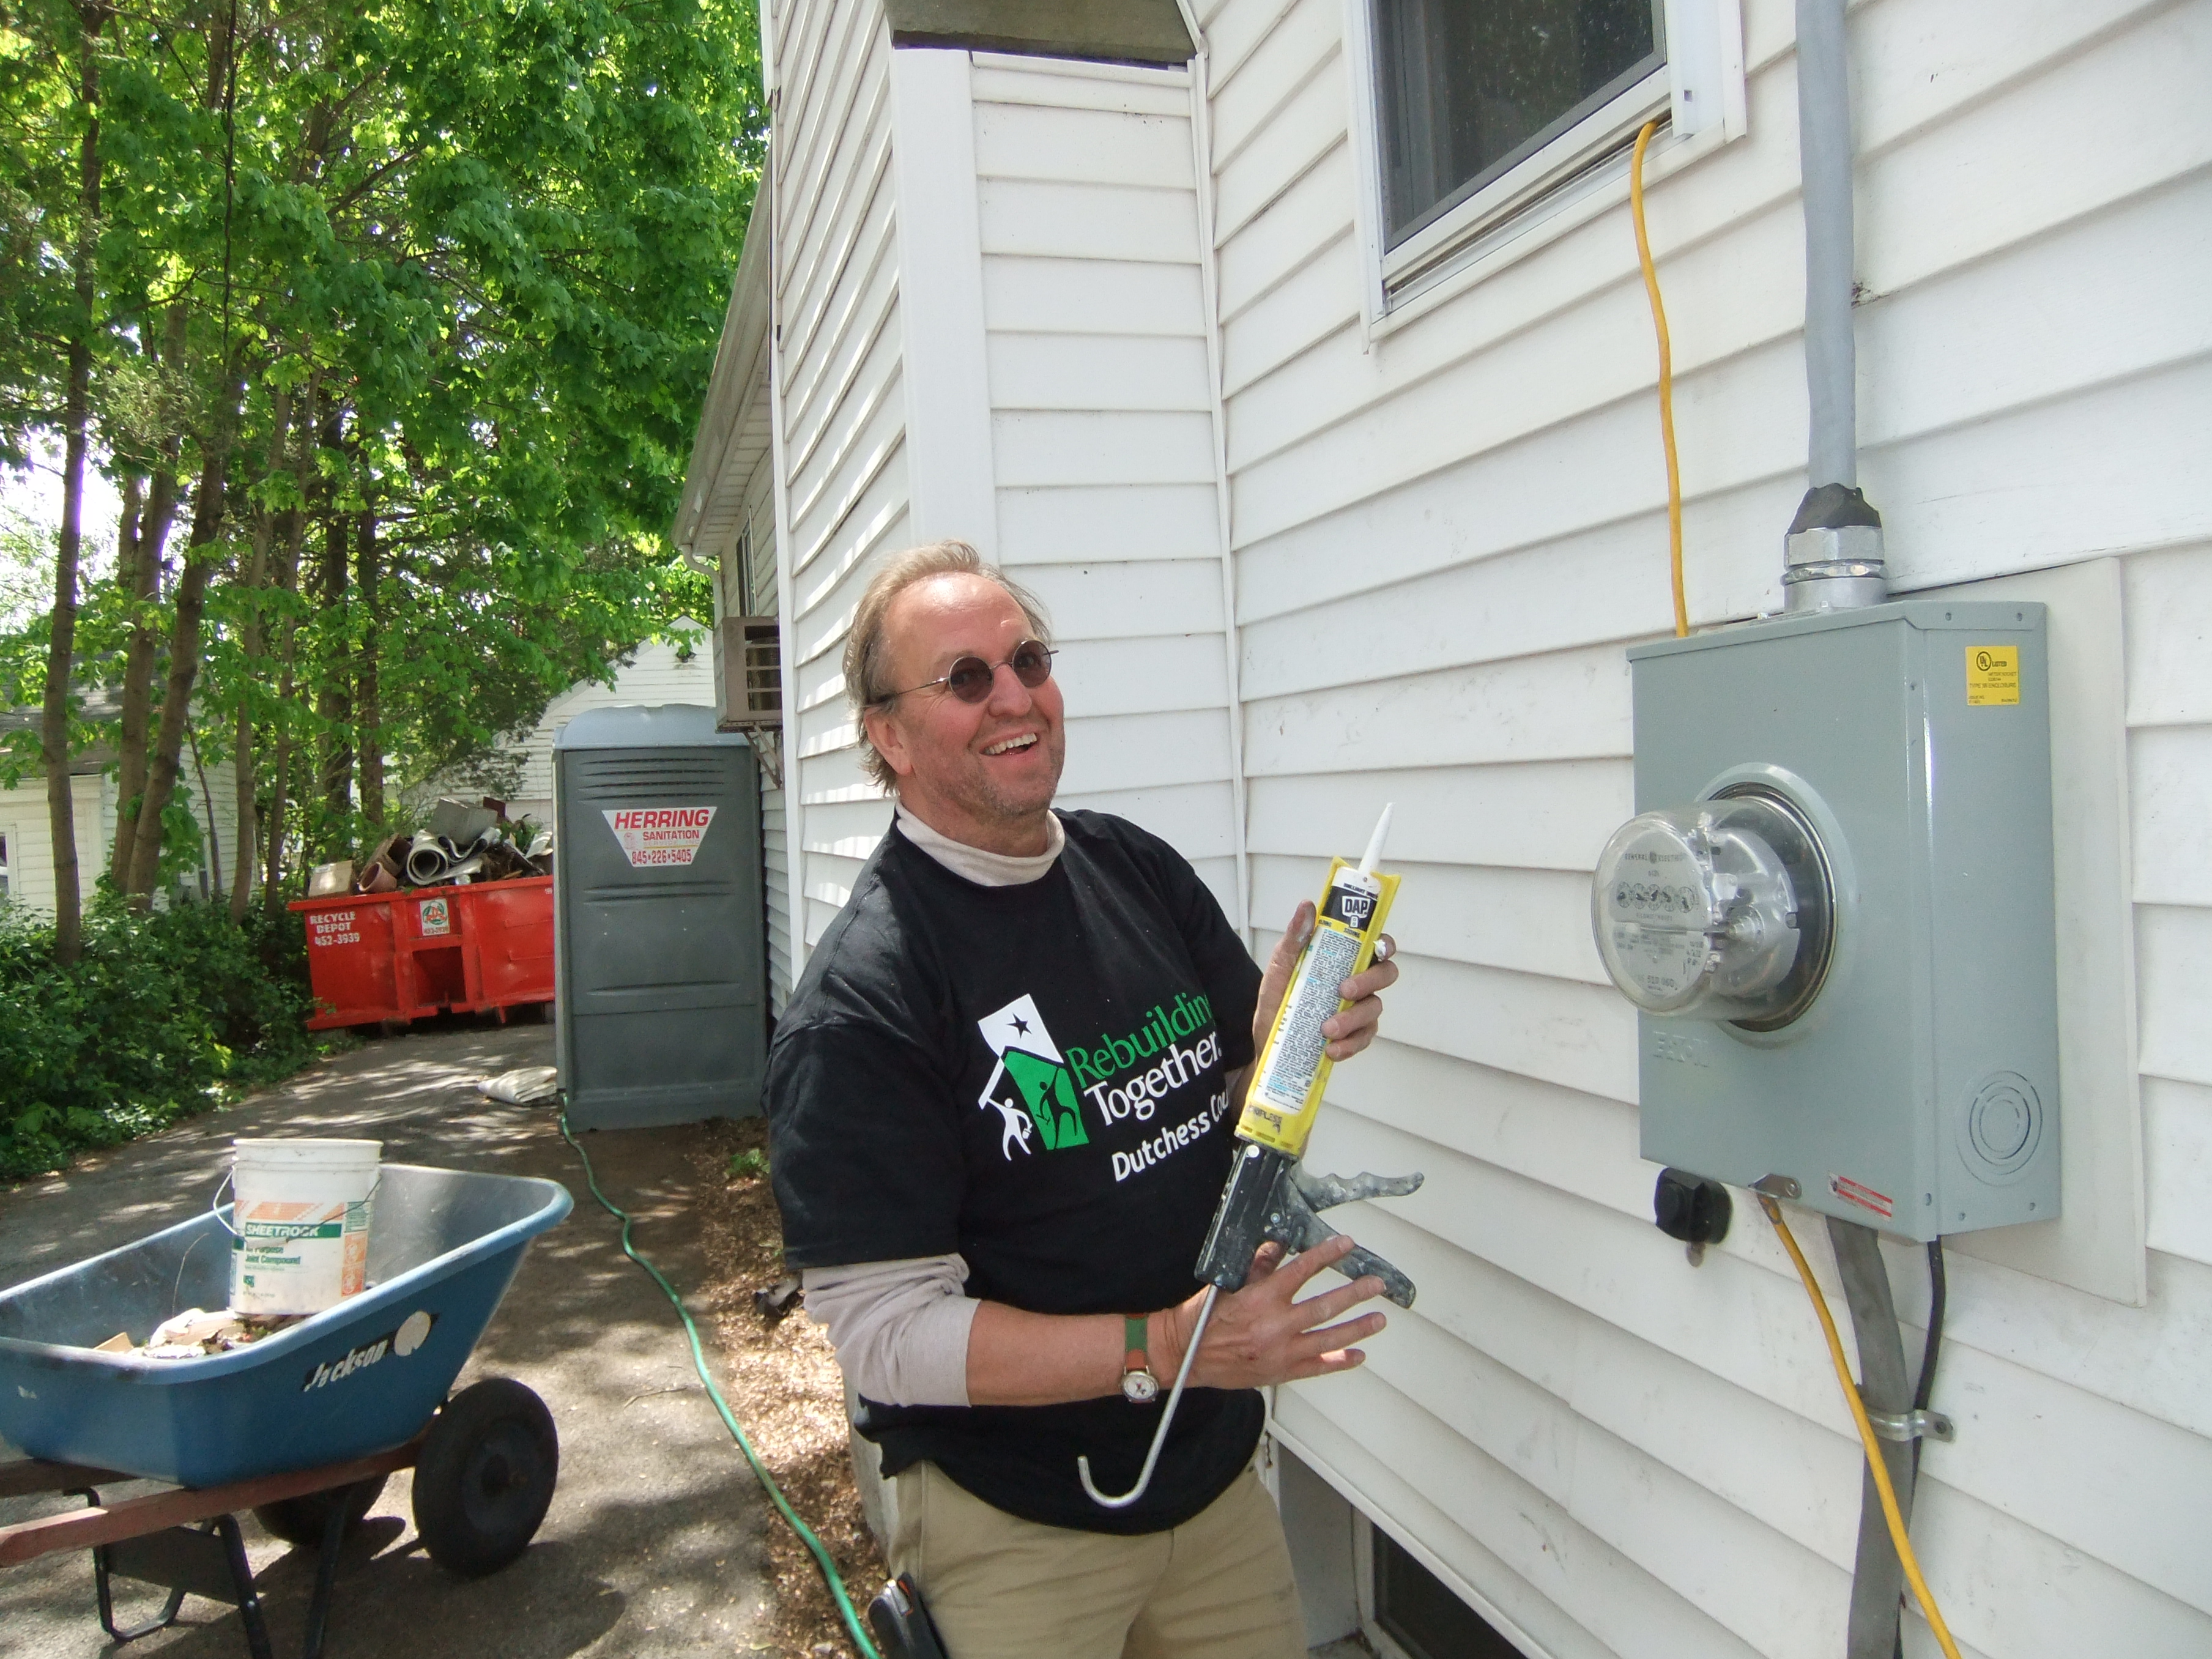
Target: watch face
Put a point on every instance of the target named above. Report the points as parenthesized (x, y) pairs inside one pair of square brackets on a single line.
[(1139, 1387)]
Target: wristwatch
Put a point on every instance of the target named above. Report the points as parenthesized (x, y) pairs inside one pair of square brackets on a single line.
[(1139, 1386)]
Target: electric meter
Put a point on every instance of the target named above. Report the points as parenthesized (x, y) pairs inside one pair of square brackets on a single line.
[(1835, 912), (1720, 911)]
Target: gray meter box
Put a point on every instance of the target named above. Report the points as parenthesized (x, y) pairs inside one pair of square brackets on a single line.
[(1918, 1092), (659, 934)]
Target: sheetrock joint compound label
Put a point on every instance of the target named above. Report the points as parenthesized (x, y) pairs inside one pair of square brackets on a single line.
[(313, 1253), (652, 836), (1992, 675)]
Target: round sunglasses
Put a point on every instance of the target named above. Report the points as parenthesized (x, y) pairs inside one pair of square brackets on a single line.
[(970, 679)]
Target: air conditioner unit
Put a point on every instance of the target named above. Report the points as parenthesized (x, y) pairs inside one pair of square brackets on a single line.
[(748, 670)]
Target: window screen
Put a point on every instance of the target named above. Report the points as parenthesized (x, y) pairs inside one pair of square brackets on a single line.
[(1418, 1611), (1466, 89)]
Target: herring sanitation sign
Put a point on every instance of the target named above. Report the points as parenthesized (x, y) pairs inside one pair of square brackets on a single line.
[(652, 836)]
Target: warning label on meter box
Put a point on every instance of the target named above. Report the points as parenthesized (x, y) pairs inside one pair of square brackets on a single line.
[(652, 836)]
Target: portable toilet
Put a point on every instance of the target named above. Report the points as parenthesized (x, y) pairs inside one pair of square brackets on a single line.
[(660, 931)]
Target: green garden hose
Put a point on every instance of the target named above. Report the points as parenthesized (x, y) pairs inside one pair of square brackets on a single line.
[(829, 1574)]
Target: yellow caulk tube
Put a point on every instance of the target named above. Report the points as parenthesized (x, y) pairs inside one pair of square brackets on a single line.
[(1268, 1195), (1294, 1065)]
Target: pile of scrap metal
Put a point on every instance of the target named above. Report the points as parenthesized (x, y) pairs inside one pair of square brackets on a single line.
[(464, 842)]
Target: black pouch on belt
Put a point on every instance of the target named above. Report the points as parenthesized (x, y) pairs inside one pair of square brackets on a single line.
[(901, 1623)]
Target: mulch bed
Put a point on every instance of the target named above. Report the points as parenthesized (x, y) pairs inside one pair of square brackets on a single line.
[(782, 1381)]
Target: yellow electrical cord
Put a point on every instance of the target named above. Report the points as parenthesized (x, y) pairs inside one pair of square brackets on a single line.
[(1890, 1511), (1875, 1464), (1665, 379)]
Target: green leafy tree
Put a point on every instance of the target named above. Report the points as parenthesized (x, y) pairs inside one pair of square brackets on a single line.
[(408, 311), (390, 320)]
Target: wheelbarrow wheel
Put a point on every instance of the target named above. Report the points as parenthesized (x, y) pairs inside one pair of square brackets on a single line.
[(485, 1477), (300, 1520)]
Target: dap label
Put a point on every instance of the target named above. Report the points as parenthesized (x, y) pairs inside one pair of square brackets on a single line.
[(1992, 675), (653, 836)]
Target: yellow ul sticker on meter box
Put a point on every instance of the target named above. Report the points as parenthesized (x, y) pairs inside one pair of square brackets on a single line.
[(1992, 675)]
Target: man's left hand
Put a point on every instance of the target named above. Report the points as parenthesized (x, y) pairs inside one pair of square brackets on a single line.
[(1348, 1030)]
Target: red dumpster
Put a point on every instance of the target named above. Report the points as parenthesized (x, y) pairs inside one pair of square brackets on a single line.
[(373, 957)]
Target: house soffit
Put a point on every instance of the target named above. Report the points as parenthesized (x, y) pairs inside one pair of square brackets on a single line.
[(1107, 30)]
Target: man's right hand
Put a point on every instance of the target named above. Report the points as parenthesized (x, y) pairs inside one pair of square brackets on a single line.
[(1263, 1335)]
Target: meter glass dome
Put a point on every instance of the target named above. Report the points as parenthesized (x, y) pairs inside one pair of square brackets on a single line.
[(1719, 910)]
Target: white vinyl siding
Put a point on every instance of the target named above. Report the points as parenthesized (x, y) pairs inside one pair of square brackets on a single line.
[(1102, 432), (24, 822), (656, 674), (31, 844), (843, 444), (775, 853), (1444, 538)]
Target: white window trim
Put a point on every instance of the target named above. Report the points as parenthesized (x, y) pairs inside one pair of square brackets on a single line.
[(1577, 176)]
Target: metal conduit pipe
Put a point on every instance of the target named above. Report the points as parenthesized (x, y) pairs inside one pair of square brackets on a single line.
[(1878, 1576), (1832, 553)]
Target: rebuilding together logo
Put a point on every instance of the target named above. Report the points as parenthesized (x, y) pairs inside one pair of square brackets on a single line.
[(1122, 1077)]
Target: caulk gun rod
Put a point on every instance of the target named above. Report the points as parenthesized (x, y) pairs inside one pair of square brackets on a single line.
[(1374, 854), (1167, 1417)]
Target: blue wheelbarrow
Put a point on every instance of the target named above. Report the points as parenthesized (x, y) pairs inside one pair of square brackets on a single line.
[(301, 1427)]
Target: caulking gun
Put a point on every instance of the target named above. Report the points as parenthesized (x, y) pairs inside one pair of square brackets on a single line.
[(1269, 1196)]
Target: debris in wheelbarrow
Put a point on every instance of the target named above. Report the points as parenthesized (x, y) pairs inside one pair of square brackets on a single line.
[(195, 1333)]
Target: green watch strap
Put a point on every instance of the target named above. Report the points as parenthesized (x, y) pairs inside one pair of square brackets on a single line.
[(1136, 1333)]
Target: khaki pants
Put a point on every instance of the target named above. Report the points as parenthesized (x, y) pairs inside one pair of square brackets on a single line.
[(1001, 1588)]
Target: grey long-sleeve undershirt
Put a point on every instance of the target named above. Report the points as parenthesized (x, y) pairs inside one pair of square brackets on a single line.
[(901, 1328)]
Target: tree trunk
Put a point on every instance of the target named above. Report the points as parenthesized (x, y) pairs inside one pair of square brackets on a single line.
[(255, 640), (140, 580), (367, 706), (287, 579), (61, 650), (164, 763), (211, 866), (333, 699)]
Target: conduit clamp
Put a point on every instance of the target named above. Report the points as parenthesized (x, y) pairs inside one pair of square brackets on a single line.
[(1913, 1425)]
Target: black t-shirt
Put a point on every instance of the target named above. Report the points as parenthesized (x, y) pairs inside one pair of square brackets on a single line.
[(1034, 1077)]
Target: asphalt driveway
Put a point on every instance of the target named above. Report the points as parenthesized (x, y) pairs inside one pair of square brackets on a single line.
[(654, 1545)]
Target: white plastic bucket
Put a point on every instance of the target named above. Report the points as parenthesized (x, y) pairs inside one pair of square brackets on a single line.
[(299, 1223)]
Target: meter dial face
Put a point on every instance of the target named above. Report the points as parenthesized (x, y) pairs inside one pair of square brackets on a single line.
[(1702, 911), (1653, 912)]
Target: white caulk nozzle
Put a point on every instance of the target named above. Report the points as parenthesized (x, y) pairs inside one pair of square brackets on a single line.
[(1375, 841)]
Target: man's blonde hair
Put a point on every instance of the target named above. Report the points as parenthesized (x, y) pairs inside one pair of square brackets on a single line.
[(864, 645)]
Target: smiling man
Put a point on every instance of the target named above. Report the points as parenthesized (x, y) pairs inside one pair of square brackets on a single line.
[(1002, 1102)]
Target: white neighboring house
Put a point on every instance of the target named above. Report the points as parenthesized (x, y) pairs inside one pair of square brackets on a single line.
[(659, 672), (1328, 513), (27, 862)]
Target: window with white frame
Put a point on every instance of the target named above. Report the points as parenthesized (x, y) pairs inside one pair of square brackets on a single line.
[(1484, 116), (1466, 90), (7, 871)]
